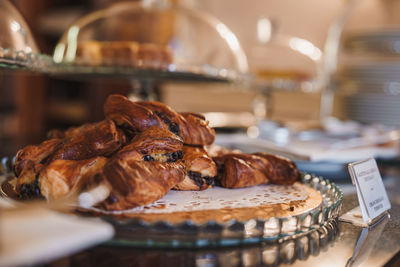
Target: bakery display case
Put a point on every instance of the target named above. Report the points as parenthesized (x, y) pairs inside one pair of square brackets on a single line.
[(160, 185)]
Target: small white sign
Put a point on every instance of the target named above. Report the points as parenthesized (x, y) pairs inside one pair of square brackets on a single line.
[(370, 189)]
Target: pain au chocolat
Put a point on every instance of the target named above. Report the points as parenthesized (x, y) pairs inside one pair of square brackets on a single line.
[(200, 169), (137, 116), (136, 156)]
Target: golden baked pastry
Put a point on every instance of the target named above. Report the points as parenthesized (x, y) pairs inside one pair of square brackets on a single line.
[(135, 117), (63, 178), (29, 162), (89, 53), (81, 143), (144, 170), (120, 53), (97, 139), (136, 156), (200, 169), (243, 170), (123, 54)]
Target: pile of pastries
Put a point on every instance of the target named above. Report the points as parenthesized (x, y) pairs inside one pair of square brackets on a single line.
[(123, 54), (137, 154)]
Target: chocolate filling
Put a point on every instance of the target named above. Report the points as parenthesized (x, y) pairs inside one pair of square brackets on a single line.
[(172, 126), (30, 191), (171, 157), (148, 158), (220, 171), (199, 180), (127, 130), (209, 180), (112, 199), (196, 177)]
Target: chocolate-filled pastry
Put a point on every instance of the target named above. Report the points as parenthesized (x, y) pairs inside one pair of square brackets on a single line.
[(243, 170), (73, 131), (154, 144), (30, 160), (200, 169), (130, 116), (97, 139), (195, 130), (141, 172), (63, 178), (135, 117), (283, 171), (35, 154), (135, 183), (192, 127), (170, 118)]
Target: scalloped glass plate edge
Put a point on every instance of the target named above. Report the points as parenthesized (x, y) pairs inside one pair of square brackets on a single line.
[(137, 233)]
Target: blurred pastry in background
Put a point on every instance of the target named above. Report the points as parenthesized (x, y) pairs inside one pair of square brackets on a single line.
[(123, 54)]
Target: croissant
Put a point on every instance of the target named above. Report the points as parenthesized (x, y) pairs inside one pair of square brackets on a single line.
[(142, 171), (72, 131), (135, 117), (154, 144), (192, 127), (243, 170), (132, 118), (62, 178), (34, 156), (135, 183), (283, 171), (195, 130), (97, 139), (167, 115), (29, 162), (200, 169)]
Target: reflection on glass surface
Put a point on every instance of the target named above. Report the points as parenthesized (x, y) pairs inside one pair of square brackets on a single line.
[(303, 59), (306, 48), (17, 46), (15, 33)]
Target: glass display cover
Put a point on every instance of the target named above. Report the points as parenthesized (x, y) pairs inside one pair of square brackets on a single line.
[(139, 37)]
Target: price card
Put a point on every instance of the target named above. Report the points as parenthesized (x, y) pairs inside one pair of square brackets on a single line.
[(370, 189)]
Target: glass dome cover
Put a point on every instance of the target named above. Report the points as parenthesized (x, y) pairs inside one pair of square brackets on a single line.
[(18, 48), (129, 37)]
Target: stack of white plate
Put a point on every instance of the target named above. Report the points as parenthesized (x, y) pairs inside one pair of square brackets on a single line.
[(376, 82), (374, 108)]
